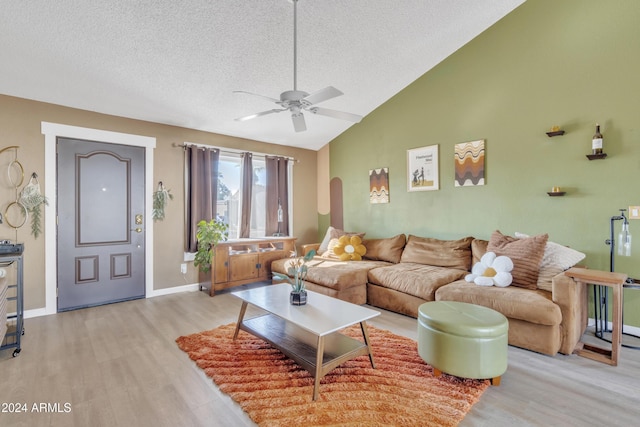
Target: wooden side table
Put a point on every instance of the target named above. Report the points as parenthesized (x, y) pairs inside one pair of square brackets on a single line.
[(614, 281)]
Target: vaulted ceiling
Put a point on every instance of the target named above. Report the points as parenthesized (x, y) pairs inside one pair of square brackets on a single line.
[(178, 62)]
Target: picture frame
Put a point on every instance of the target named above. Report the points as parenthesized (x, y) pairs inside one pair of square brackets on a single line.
[(469, 167), (379, 186), (422, 169)]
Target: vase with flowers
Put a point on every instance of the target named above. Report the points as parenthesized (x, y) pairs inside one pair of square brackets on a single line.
[(296, 273)]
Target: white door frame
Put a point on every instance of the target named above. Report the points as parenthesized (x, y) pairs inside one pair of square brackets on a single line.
[(51, 132)]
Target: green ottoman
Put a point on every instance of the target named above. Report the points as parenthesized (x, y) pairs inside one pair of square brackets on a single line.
[(462, 339)]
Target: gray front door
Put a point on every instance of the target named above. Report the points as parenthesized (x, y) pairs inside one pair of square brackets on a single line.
[(100, 223)]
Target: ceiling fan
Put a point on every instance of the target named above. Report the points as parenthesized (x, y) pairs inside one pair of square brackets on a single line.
[(297, 101)]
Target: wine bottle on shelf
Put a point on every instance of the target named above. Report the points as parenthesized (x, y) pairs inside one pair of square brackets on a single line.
[(596, 143)]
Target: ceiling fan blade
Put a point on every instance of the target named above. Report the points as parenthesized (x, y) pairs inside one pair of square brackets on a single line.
[(262, 113), (299, 125), (336, 114), (320, 96), (257, 94)]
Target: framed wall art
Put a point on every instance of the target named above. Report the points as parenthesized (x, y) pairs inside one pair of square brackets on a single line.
[(422, 169), (379, 185), (469, 163)]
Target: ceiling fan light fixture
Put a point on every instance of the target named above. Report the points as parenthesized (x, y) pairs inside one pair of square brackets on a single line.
[(296, 100)]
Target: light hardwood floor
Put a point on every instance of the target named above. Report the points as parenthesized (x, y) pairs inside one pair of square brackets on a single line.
[(118, 365)]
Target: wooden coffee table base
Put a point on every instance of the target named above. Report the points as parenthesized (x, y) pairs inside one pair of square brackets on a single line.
[(317, 354)]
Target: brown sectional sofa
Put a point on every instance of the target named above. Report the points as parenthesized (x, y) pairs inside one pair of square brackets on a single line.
[(399, 274)]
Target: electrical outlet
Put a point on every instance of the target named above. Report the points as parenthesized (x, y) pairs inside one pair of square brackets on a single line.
[(183, 268), (634, 212)]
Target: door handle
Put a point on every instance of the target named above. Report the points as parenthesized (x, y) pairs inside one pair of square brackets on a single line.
[(137, 230)]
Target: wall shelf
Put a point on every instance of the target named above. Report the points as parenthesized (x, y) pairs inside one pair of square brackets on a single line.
[(555, 133), (596, 156), (556, 193)]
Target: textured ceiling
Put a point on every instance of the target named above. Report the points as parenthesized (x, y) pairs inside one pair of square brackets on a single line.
[(177, 62)]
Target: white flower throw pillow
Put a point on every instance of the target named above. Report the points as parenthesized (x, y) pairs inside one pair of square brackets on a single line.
[(491, 270)]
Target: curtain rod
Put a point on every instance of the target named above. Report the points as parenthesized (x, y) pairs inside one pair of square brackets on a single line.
[(233, 151)]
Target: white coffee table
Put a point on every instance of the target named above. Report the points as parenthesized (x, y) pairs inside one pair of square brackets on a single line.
[(308, 333)]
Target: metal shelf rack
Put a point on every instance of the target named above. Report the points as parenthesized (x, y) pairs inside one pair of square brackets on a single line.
[(14, 298)]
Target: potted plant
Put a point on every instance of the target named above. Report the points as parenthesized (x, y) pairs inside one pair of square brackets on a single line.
[(209, 234), (296, 273)]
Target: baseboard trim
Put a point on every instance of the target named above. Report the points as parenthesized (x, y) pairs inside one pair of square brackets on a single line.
[(174, 290), (38, 312), (635, 330)]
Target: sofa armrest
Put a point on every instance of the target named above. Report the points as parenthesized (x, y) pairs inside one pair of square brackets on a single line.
[(571, 297), (309, 247)]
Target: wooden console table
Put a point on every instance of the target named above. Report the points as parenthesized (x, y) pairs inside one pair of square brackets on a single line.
[(615, 281), (242, 261)]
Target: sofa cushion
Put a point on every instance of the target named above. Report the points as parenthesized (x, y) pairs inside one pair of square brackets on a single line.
[(415, 279), (389, 249), (533, 306), (525, 253), (439, 253), (478, 248), (333, 274)]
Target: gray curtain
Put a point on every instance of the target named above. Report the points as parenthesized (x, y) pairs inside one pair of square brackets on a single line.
[(277, 194), (247, 192), (201, 190)]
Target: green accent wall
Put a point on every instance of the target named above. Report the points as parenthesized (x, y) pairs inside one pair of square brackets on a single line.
[(324, 221), (570, 63)]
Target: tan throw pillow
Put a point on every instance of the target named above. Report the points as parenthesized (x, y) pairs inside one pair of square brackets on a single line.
[(387, 249), (336, 233), (556, 259), (525, 253), (439, 253), (478, 248)]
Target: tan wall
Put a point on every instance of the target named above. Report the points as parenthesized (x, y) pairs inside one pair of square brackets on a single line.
[(20, 124)]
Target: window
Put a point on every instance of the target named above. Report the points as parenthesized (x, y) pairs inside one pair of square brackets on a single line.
[(213, 182), (230, 194)]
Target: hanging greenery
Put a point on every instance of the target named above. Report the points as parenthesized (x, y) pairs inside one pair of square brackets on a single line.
[(31, 198), (160, 199)]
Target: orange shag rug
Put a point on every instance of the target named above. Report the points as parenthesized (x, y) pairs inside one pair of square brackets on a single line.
[(274, 391)]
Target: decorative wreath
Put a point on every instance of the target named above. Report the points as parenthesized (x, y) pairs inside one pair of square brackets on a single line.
[(350, 248), (491, 270)]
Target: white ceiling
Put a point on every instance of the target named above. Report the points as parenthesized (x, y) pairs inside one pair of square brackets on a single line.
[(177, 62)]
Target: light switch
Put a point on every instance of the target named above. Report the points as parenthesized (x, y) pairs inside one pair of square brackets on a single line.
[(634, 212)]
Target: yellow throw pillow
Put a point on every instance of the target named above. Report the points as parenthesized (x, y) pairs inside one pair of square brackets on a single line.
[(350, 248)]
